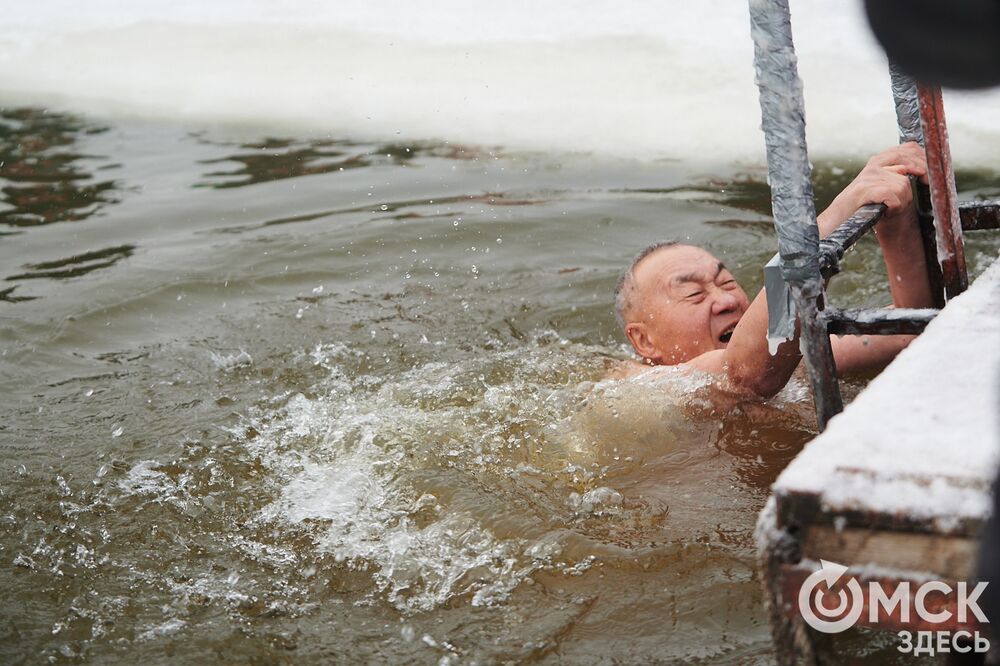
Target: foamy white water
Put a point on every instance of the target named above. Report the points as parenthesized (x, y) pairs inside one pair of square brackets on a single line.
[(649, 80)]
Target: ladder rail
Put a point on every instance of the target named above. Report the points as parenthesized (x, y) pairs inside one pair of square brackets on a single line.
[(906, 99), (789, 174), (944, 198)]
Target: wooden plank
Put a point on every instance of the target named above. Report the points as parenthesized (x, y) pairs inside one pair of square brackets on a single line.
[(949, 557), (809, 508)]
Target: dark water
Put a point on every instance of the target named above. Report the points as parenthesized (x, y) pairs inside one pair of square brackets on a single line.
[(272, 399)]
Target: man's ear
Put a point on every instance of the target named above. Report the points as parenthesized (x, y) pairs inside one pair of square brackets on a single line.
[(638, 335)]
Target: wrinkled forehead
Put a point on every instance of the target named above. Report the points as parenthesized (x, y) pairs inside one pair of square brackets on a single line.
[(669, 264)]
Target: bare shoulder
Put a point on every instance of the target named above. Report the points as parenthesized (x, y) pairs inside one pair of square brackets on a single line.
[(626, 370), (710, 361), (707, 370)]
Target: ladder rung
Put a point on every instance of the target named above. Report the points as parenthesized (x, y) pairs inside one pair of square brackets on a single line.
[(979, 215), (833, 247), (975, 216), (877, 321)]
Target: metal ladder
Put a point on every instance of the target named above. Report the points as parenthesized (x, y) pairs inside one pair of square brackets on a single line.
[(795, 276)]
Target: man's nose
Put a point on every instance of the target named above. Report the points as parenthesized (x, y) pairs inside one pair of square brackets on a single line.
[(725, 301)]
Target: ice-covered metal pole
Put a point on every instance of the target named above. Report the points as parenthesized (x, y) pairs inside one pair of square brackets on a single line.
[(904, 94), (789, 174)]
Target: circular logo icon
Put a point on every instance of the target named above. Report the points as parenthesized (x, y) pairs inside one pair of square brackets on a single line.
[(848, 609)]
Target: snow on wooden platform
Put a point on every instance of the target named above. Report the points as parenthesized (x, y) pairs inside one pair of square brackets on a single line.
[(918, 449)]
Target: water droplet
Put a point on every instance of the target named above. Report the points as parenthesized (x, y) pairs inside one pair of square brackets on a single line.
[(63, 486), (89, 392), (21, 470), (233, 578), (103, 469), (117, 430), (317, 290), (384, 207)]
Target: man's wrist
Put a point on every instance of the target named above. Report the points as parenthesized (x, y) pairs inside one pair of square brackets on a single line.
[(849, 201), (839, 210)]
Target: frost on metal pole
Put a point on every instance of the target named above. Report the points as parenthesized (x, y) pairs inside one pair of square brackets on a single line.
[(941, 178), (783, 122), (904, 94)]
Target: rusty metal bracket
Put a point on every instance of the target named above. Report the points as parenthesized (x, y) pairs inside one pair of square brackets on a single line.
[(979, 215), (877, 321)]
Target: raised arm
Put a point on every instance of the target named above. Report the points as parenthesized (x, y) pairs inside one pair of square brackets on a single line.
[(885, 179), (746, 360)]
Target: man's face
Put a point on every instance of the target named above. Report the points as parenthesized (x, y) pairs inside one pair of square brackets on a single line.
[(686, 304)]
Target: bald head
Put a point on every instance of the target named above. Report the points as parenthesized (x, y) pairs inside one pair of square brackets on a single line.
[(627, 291), (676, 302)]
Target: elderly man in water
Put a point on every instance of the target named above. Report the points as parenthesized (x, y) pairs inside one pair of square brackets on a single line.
[(679, 305)]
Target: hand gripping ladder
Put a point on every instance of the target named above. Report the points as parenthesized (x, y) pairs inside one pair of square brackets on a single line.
[(794, 277)]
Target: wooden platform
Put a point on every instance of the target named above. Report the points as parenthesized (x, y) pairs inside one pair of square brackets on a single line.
[(899, 484)]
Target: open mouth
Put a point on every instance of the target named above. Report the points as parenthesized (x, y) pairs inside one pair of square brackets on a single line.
[(727, 334)]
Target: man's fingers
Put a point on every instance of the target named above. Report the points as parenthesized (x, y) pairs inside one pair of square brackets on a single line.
[(886, 177), (907, 159), (917, 170), (882, 159), (888, 197), (915, 158), (909, 154), (896, 153), (891, 188)]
